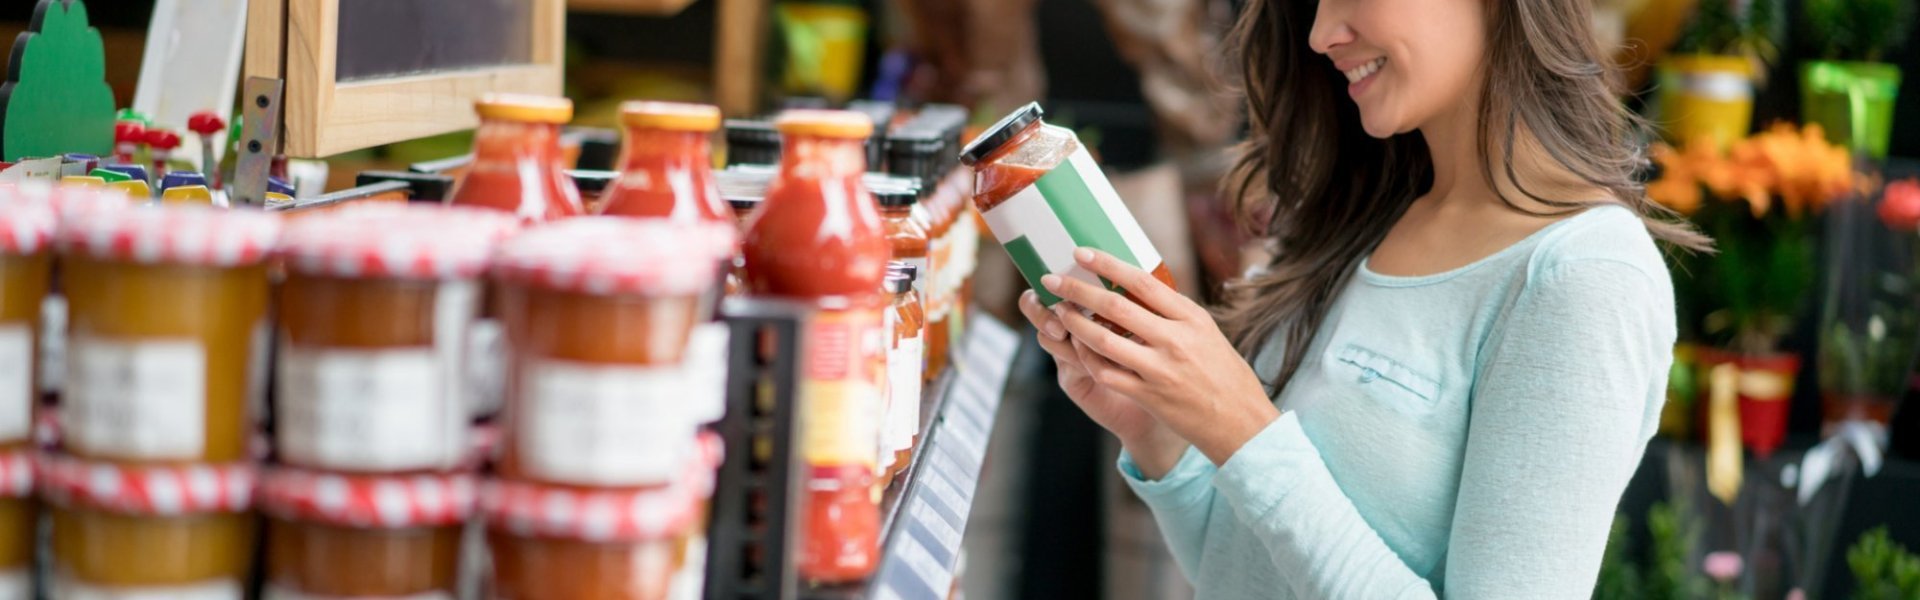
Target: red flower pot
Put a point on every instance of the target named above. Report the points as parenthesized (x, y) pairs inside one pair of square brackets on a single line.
[(1766, 394)]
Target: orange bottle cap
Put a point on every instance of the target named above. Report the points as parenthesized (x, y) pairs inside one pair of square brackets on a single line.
[(675, 116), (525, 107), (825, 123)]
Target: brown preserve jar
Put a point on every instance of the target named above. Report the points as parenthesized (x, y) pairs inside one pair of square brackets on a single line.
[(364, 536), (26, 236), (178, 530), (18, 516)]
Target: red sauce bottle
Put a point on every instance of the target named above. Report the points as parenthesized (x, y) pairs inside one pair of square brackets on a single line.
[(517, 163), (666, 164), (818, 238)]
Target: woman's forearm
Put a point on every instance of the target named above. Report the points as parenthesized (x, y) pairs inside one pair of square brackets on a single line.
[(1156, 451)]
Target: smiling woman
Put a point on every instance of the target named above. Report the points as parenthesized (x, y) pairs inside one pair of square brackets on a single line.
[(1444, 379)]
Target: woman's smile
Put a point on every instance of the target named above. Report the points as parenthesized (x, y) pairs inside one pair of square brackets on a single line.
[(1361, 77)]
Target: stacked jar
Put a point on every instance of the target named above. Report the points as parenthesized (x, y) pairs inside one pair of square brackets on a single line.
[(166, 362), (604, 406), (372, 421), (26, 238)]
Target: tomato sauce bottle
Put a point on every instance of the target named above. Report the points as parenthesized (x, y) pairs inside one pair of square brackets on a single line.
[(666, 164), (818, 238), (518, 166)]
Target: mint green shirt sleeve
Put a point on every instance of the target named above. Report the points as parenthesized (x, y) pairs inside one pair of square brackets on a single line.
[(1181, 502)]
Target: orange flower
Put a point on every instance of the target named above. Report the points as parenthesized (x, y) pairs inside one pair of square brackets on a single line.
[(1676, 188)]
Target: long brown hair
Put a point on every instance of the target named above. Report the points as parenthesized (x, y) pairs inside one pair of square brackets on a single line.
[(1329, 192)]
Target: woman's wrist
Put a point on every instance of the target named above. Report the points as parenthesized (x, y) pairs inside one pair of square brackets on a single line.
[(1155, 451)]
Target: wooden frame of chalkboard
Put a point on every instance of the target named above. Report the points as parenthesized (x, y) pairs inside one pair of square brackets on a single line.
[(298, 41)]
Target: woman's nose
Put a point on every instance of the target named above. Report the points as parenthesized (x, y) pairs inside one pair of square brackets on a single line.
[(1330, 28)]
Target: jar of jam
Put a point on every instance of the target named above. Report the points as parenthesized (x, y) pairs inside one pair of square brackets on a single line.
[(374, 316), (666, 164), (167, 332), (818, 238), (518, 165), (613, 544), (173, 531), (378, 536), (1043, 196), (19, 518), (26, 265), (906, 324), (599, 313)]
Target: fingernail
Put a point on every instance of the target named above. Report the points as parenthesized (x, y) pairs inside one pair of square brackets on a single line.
[(1060, 310), (1055, 330), (1083, 255), (1050, 281)]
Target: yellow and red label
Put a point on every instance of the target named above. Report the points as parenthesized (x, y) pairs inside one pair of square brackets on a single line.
[(840, 393)]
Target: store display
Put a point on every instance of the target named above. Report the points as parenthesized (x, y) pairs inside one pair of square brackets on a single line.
[(518, 166), (666, 164), (148, 531), (1043, 196), (818, 238), (333, 536), (374, 317), (167, 337)]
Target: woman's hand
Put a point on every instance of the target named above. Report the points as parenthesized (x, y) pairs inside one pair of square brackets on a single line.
[(1177, 365), (1155, 448)]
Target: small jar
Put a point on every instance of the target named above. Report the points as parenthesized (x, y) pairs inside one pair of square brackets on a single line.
[(627, 544), (380, 536), (176, 531), (666, 164), (19, 518), (518, 166), (374, 317), (906, 323), (603, 389), (26, 265), (167, 333)]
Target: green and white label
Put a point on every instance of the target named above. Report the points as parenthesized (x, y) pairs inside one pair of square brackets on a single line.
[(1071, 206)]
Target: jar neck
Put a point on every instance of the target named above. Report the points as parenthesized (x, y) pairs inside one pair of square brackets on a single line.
[(1026, 133), (816, 157), (648, 147), (503, 140), (896, 211)]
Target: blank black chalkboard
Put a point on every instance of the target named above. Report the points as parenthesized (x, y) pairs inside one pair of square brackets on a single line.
[(391, 38)]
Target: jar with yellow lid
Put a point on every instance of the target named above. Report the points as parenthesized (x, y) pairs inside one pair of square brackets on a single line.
[(374, 318), (167, 340), (666, 164), (157, 531), (518, 166), (380, 536)]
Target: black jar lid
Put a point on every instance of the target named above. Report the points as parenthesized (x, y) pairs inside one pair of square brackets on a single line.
[(1000, 134)]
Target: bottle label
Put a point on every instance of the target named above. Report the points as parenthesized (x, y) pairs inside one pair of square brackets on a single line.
[(903, 392), (840, 397), (596, 424), (16, 584), (922, 272), (144, 399), (16, 382), (67, 588), (277, 592), (374, 410), (706, 360), (689, 582), (1070, 207)]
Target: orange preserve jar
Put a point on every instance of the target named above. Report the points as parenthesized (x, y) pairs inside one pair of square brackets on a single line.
[(603, 390), (374, 317), (518, 166), (666, 164), (906, 326), (613, 544), (168, 531), (378, 536), (26, 264), (818, 238), (167, 336), (19, 517)]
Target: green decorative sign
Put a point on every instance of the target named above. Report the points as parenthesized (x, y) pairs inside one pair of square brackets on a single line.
[(56, 98)]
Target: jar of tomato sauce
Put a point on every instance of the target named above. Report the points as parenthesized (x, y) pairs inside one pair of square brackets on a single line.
[(613, 544), (26, 265), (1042, 195), (818, 238), (603, 390), (364, 536), (167, 332), (374, 316), (666, 164), (906, 326), (518, 165), (171, 531)]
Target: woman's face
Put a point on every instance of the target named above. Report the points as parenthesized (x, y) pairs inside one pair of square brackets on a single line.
[(1406, 62)]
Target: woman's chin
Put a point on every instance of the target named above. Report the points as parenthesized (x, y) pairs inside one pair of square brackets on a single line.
[(1378, 128)]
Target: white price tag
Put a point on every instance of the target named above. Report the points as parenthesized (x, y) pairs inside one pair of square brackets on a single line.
[(368, 410), (17, 394), (592, 424), (136, 399)]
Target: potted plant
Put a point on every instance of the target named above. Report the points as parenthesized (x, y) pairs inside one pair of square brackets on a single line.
[(1871, 327), (1706, 86), (1882, 568), (1851, 93), (1757, 200)]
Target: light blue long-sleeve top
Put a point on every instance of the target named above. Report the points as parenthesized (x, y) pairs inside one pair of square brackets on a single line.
[(1466, 434)]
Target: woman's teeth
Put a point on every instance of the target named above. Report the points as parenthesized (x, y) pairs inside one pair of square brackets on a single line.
[(1356, 74)]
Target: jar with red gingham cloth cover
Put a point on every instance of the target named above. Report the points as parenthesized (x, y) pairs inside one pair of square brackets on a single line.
[(26, 266), (385, 536), (182, 530), (571, 542)]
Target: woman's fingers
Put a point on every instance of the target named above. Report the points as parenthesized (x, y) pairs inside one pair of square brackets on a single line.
[(1094, 336), (1152, 292), (1041, 318), (1107, 373), (1109, 305)]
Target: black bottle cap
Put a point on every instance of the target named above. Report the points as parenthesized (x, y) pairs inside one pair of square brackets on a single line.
[(1000, 134)]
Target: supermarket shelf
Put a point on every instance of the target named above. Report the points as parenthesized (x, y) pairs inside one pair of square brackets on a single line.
[(925, 511)]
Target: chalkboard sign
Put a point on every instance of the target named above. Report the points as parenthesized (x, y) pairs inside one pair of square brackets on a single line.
[(361, 73)]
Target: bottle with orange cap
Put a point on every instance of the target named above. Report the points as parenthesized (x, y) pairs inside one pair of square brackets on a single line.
[(818, 238), (518, 166), (666, 164)]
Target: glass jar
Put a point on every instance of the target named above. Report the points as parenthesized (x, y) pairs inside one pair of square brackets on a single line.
[(639, 548), (374, 316), (666, 164), (1042, 195), (818, 238), (364, 536), (26, 265), (906, 324), (181, 531), (19, 519), (603, 390), (167, 332), (518, 165)]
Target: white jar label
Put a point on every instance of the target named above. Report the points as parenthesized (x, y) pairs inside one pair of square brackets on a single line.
[(16, 584), (376, 410), (16, 382), (275, 592), (903, 390), (486, 364), (143, 399), (593, 424), (706, 360), (67, 588)]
